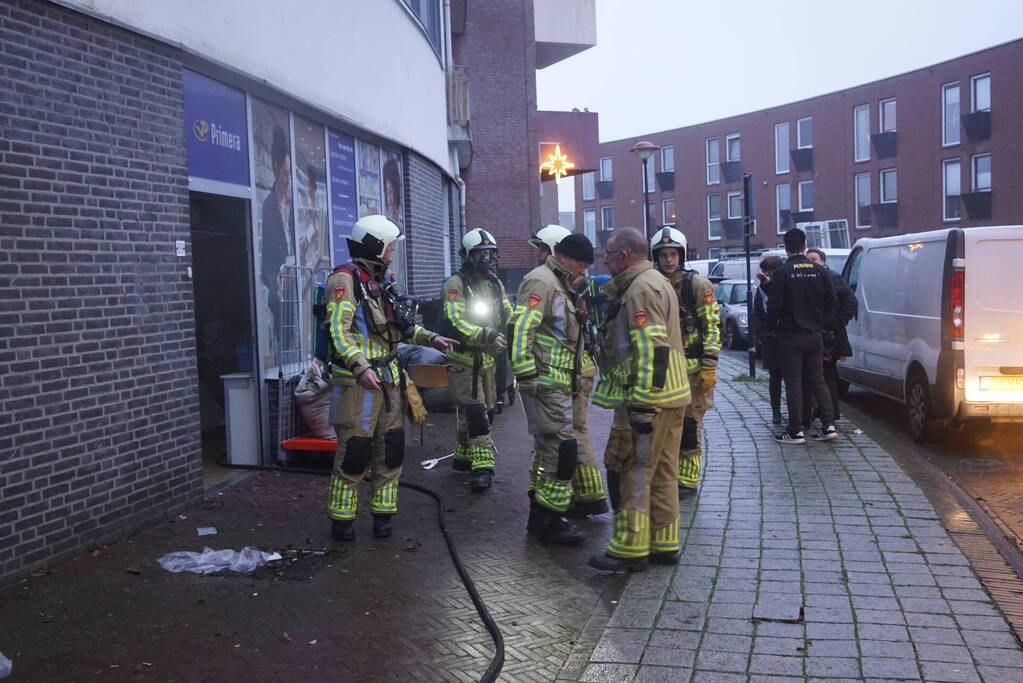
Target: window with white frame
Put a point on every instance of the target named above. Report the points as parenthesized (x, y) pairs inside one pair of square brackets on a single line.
[(590, 224), (981, 88), (950, 114), (887, 114), (861, 133), (889, 186), (607, 217), (714, 216), (668, 212), (733, 147), (606, 169), (713, 161), (651, 174), (806, 195), (735, 204), (783, 202), (588, 186), (804, 133), (714, 253), (781, 147), (982, 173), (667, 158), (951, 187), (861, 188)]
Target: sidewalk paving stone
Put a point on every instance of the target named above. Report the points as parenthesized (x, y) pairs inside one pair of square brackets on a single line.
[(835, 537)]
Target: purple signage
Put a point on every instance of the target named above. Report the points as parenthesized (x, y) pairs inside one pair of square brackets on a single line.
[(343, 196), (216, 135)]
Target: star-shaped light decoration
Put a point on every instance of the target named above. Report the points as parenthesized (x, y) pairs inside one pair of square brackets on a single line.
[(557, 164)]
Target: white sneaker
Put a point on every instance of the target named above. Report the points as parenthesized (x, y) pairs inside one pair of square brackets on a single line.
[(785, 437), (829, 434)]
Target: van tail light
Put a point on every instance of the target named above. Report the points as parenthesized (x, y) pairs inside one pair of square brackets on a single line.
[(960, 378), (957, 303)]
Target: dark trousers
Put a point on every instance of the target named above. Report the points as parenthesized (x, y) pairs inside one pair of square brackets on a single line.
[(774, 389), (810, 409), (802, 356)]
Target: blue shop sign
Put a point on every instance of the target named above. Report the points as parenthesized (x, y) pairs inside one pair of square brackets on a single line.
[(343, 199), (216, 134)]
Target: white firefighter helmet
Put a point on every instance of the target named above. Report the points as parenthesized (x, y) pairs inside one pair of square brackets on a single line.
[(477, 238), (668, 237), (371, 235), (549, 235)]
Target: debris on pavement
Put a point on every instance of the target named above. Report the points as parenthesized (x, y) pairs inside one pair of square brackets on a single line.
[(211, 561), (133, 570), (5, 666), (857, 431), (206, 530)]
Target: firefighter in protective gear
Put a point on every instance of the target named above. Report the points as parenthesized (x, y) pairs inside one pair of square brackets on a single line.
[(643, 377), (554, 370), (476, 311), (366, 318), (545, 239), (701, 334)]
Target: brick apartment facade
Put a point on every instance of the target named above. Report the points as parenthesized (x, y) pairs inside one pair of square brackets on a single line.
[(884, 157), (100, 426)]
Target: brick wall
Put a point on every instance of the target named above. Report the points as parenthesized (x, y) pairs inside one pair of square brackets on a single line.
[(502, 184), (100, 427), (425, 217)]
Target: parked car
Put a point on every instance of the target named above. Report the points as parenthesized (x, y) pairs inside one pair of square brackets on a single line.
[(940, 324), (734, 269), (701, 266), (731, 297)]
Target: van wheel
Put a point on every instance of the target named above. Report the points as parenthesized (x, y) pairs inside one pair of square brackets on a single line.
[(843, 389), (918, 402)]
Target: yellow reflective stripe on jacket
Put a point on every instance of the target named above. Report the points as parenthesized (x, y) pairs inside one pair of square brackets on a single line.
[(345, 344), (526, 320), (711, 318), (455, 313)]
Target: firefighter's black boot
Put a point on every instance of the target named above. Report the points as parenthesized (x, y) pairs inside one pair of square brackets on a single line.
[(342, 530), (481, 480), (382, 526), (613, 563), (580, 509), (552, 527)]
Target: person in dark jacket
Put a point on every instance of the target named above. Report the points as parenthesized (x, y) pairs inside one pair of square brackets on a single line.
[(769, 356), (836, 339), (801, 300)]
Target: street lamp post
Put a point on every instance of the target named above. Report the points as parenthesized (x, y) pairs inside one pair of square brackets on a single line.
[(644, 150)]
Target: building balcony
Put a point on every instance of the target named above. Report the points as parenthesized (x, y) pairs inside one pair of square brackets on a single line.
[(802, 159), (666, 181), (563, 28), (977, 204), (605, 189), (885, 214), (459, 132), (977, 125), (886, 145), (731, 171)]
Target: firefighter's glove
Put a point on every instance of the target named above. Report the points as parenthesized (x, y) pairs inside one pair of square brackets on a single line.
[(708, 378), (495, 339), (527, 384), (642, 420), (414, 402)]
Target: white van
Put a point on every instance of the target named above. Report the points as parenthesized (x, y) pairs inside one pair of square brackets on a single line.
[(940, 324)]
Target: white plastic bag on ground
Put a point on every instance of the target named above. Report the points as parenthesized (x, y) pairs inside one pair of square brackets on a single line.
[(313, 397), (210, 561), (5, 666)]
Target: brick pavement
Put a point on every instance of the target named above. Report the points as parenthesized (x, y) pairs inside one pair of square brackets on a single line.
[(368, 611), (816, 562)]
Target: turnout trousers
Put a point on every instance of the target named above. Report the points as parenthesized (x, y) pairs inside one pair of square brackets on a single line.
[(642, 474), (371, 440), (558, 419), (689, 452), (473, 441)]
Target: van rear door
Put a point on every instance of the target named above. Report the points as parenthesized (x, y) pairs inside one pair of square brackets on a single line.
[(993, 321)]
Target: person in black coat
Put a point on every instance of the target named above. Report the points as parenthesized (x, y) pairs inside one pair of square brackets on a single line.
[(769, 358), (277, 229), (836, 339)]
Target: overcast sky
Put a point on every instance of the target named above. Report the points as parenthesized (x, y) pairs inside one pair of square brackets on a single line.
[(661, 64)]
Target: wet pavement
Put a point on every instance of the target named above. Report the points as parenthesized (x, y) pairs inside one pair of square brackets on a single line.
[(370, 610), (815, 562)]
